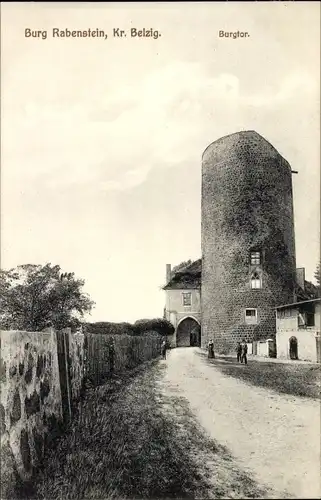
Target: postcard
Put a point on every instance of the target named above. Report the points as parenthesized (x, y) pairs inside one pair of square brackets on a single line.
[(160, 250)]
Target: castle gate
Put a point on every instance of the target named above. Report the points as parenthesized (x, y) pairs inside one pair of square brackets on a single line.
[(188, 333)]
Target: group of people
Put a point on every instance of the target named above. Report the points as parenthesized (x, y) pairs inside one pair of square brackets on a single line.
[(241, 352)]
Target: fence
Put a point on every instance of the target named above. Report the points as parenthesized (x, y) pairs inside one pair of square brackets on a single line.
[(108, 354)]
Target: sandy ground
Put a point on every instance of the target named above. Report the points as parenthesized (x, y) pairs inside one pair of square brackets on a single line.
[(275, 438)]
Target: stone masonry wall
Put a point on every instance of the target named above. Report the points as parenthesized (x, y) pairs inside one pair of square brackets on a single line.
[(246, 206), (30, 402)]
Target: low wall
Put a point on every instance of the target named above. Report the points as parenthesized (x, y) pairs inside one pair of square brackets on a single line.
[(30, 401), (34, 387), (122, 351)]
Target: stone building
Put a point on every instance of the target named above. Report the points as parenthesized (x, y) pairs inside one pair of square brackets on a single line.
[(183, 307), (248, 246), (248, 264)]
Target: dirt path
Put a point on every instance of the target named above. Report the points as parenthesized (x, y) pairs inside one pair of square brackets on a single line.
[(275, 438)]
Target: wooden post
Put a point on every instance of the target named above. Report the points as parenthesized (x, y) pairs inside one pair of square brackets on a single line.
[(66, 349)]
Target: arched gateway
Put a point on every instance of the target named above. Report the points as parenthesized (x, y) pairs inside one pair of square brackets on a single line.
[(188, 333)]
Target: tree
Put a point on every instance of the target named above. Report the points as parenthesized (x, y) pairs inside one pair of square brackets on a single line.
[(33, 297), (317, 275)]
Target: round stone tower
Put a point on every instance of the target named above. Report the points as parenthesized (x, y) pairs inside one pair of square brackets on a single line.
[(248, 248)]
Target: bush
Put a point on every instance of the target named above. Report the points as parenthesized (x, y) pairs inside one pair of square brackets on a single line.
[(159, 325), (107, 328), (142, 326)]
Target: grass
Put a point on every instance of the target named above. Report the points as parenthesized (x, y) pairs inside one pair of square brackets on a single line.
[(130, 441), (297, 379)]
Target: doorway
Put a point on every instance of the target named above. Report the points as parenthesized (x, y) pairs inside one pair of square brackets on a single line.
[(188, 333), (293, 348)]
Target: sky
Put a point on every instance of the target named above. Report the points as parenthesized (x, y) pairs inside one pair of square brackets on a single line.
[(102, 139)]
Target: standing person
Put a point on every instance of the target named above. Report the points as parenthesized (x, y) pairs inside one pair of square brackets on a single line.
[(111, 355), (244, 352), (239, 351), (163, 349), (211, 349)]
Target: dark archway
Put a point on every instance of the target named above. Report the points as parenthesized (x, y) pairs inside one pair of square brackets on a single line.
[(188, 333), (293, 345)]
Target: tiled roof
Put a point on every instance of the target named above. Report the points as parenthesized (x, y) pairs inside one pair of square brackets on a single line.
[(310, 291), (187, 278)]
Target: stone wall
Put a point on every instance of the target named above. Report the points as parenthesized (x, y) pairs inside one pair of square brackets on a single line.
[(246, 206), (30, 402), (31, 410)]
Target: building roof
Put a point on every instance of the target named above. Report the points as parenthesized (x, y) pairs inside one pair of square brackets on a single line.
[(188, 277), (310, 291), (294, 304)]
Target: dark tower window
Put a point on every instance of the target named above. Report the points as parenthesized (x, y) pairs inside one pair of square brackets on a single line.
[(256, 281), (310, 319), (255, 258)]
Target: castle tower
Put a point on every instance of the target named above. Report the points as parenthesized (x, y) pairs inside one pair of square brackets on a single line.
[(248, 248)]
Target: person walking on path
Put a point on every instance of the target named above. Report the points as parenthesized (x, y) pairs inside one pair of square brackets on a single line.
[(211, 349), (163, 349), (111, 355), (244, 352), (239, 351)]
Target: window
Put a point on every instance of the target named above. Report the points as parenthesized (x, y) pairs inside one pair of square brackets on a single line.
[(306, 318), (255, 258), (286, 313), (310, 319), (187, 299), (301, 320), (255, 281), (250, 316)]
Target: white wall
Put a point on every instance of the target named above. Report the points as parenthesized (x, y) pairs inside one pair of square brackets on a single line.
[(175, 310), (288, 327), (306, 344), (290, 322), (174, 302), (262, 349)]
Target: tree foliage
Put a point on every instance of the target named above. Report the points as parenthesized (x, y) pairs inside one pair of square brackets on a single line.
[(34, 296), (108, 328), (317, 275)]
